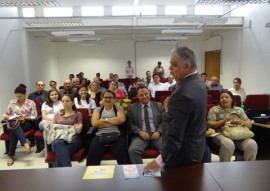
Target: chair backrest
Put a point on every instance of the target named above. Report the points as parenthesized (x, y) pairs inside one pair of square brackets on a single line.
[(38, 107), (209, 99), (105, 84), (257, 101), (237, 100), (214, 94), (158, 94), (86, 124)]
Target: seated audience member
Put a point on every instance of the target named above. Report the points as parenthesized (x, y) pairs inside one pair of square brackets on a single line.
[(170, 82), (148, 78), (97, 78), (203, 78), (121, 85), (68, 89), (67, 116), (159, 70), (118, 92), (26, 110), (71, 76), (40, 94), (49, 108), (144, 121), (225, 112), (83, 100), (129, 70), (107, 119), (110, 78), (53, 84), (133, 91), (84, 82), (237, 90), (156, 85), (76, 82), (214, 84)]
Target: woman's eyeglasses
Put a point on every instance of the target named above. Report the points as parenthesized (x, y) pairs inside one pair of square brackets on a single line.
[(108, 97)]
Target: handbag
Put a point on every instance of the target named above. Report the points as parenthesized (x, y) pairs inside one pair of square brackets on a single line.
[(237, 133), (108, 138), (15, 124)]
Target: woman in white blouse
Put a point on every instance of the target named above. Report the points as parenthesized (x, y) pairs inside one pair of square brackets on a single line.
[(84, 101), (237, 90), (49, 108)]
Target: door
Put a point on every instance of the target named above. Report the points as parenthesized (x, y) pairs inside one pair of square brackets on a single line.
[(212, 64)]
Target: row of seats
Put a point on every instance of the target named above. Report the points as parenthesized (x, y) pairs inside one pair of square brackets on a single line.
[(86, 138), (253, 101)]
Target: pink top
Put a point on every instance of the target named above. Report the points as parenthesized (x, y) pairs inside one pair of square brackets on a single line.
[(120, 94), (159, 161), (70, 120), (28, 109)]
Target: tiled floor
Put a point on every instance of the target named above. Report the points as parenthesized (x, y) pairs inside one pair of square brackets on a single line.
[(36, 160)]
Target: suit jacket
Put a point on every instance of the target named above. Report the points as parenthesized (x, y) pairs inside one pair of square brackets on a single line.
[(134, 116), (184, 124), (32, 96), (72, 92)]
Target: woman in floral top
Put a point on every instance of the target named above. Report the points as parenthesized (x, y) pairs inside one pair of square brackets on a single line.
[(26, 110), (226, 112)]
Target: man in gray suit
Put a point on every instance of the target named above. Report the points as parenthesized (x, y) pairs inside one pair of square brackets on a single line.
[(184, 121), (144, 121), (40, 94)]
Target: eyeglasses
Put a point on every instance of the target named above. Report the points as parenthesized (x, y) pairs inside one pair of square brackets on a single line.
[(108, 97)]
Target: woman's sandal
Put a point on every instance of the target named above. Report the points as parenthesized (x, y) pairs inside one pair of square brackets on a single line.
[(27, 147), (10, 161)]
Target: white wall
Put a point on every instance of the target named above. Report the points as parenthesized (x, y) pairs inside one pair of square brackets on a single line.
[(43, 61), (245, 53), (13, 60)]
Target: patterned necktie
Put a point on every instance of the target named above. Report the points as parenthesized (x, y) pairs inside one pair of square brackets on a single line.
[(146, 120)]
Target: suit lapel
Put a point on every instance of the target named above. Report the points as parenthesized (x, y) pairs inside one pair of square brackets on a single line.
[(139, 115)]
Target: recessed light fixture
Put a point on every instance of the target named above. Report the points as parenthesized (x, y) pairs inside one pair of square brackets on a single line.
[(230, 2), (73, 33), (171, 38), (29, 3), (180, 31), (83, 39)]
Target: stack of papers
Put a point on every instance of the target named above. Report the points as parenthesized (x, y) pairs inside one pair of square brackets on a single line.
[(99, 172), (130, 171)]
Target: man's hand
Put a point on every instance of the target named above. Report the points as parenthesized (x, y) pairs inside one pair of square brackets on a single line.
[(144, 135), (152, 166), (155, 135), (165, 104)]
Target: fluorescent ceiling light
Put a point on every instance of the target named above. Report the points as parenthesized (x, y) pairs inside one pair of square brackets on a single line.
[(73, 33), (28, 12), (202, 19), (29, 3), (171, 37), (58, 12), (135, 2), (230, 2), (92, 11), (180, 31), (83, 39)]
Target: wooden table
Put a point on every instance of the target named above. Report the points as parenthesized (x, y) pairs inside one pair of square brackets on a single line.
[(231, 176), (194, 177), (241, 176), (262, 137)]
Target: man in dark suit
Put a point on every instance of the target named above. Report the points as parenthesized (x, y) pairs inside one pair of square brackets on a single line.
[(40, 94), (144, 121), (68, 89), (183, 122)]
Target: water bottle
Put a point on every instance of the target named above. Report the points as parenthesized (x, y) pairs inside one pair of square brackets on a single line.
[(242, 106)]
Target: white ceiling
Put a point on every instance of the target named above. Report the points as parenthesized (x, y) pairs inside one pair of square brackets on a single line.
[(135, 28)]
